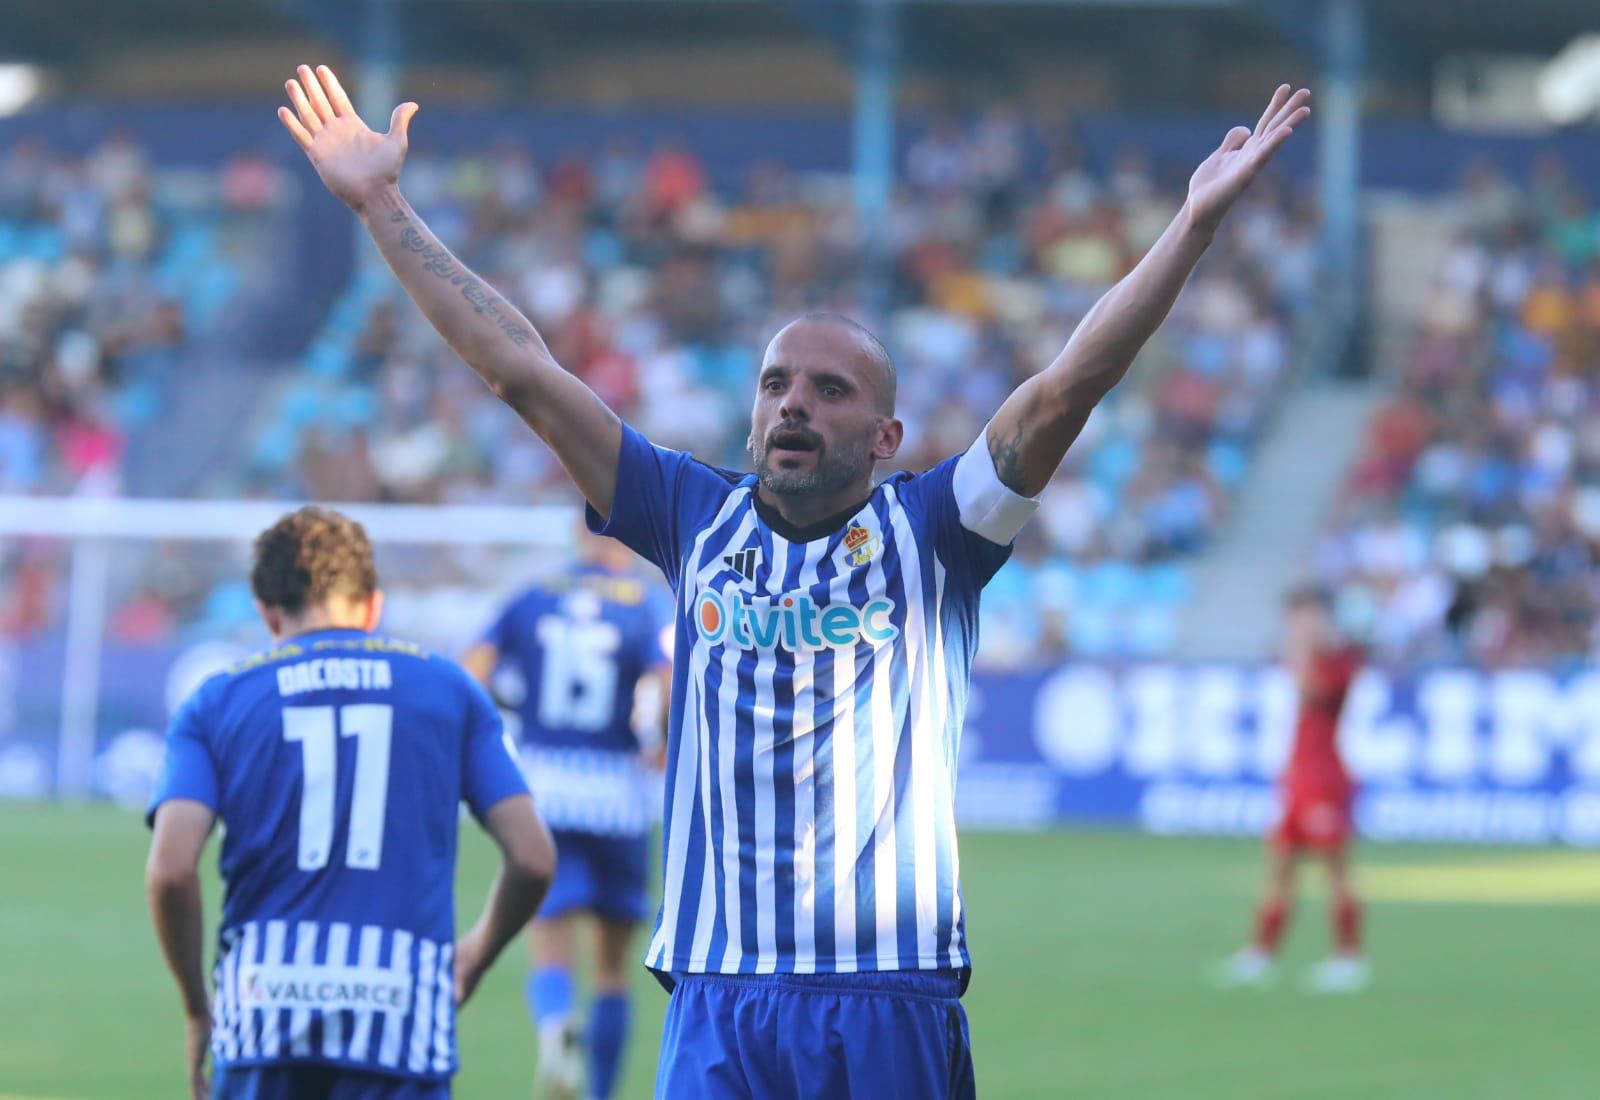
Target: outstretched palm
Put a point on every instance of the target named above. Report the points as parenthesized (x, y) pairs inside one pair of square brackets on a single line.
[(352, 160), (1224, 175)]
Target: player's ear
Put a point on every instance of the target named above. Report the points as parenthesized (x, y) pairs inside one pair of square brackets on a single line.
[(373, 611), (886, 442)]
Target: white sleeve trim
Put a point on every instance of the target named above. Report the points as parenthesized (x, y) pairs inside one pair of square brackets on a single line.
[(986, 506)]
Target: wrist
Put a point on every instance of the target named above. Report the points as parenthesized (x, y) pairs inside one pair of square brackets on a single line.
[(378, 204), (1199, 227)]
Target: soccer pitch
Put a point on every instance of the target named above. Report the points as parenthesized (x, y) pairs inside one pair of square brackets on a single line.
[(1093, 953)]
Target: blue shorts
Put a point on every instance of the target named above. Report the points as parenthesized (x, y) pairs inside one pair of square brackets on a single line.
[(319, 1083), (601, 874), (833, 1036)]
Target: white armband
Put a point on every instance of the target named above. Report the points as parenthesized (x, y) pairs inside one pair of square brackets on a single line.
[(987, 507)]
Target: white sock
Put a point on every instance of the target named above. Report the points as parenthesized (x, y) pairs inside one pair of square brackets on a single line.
[(552, 1035)]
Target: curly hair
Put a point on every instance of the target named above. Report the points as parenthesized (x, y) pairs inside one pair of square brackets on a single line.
[(309, 556)]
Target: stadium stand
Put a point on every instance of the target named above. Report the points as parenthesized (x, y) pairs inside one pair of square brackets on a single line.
[(1468, 529), (107, 270), (1465, 531), (116, 273), (659, 289)]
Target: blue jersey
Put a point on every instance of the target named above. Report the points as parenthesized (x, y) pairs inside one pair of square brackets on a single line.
[(337, 763), (580, 645), (819, 685)]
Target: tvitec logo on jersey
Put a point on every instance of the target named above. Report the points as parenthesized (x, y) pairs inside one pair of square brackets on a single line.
[(794, 622)]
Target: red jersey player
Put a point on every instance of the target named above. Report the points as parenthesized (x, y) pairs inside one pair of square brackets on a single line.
[(1316, 804)]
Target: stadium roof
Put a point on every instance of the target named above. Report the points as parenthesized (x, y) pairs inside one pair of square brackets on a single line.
[(994, 38)]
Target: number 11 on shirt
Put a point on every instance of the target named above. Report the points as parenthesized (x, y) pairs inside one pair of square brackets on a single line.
[(314, 728)]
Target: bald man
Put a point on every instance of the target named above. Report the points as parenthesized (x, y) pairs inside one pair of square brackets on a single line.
[(811, 927)]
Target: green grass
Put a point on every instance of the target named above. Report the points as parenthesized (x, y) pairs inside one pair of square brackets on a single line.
[(1092, 954)]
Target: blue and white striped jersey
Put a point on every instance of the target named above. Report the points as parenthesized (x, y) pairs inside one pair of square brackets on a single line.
[(337, 762), (572, 651), (819, 687)]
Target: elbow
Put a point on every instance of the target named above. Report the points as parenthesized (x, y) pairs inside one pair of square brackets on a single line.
[(499, 384), (535, 858), (518, 381), (1075, 391), (165, 879)]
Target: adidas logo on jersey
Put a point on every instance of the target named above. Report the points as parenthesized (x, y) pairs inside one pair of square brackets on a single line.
[(744, 562), (793, 622)]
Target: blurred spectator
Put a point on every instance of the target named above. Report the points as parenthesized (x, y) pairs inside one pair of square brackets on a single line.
[(1470, 527), (659, 291), (106, 265)]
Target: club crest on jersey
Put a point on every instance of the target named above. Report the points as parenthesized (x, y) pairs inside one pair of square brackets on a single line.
[(860, 545), (792, 621)]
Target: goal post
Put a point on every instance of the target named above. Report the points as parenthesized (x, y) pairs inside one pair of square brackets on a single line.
[(94, 532)]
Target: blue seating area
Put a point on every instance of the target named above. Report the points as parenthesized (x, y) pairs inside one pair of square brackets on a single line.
[(112, 267), (657, 269), (1469, 530)]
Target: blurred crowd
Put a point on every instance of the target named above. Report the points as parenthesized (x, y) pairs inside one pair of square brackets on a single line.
[(78, 313), (659, 287), (1469, 529), (110, 268), (106, 266), (660, 290)]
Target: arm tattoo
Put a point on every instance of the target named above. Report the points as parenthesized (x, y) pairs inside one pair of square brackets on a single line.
[(437, 261), (1007, 455)]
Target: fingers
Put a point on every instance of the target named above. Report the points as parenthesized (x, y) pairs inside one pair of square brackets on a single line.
[(310, 121), (1289, 108), (319, 98), (1278, 99), (1277, 137), (302, 137), (400, 121), (335, 91), (1235, 138)]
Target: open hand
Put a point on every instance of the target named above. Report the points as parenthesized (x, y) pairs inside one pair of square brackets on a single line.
[(1224, 175), (354, 162)]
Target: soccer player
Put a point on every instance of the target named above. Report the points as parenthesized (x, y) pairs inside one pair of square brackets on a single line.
[(582, 646), (337, 761), (811, 925), (1316, 805)]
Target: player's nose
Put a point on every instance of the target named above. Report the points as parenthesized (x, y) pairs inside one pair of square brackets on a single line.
[(796, 405)]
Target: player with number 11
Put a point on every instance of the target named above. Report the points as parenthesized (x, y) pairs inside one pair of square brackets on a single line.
[(336, 760)]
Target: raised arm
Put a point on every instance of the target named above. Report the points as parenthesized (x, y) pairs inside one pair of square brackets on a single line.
[(1030, 434), (362, 168)]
